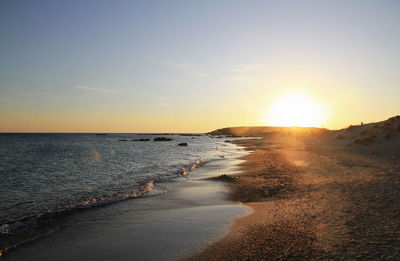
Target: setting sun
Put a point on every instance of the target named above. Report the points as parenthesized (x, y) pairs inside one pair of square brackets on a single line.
[(295, 110)]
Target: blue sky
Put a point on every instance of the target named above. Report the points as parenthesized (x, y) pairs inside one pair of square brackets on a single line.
[(193, 66)]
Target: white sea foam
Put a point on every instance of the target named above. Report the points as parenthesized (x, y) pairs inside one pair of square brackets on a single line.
[(146, 188), (197, 163)]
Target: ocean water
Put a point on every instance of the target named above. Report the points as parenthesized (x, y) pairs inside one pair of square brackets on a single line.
[(47, 178)]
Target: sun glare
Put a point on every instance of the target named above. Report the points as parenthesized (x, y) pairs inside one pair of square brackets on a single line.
[(295, 110)]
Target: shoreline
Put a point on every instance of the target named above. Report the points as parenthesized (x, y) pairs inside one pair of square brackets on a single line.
[(177, 223), (311, 203), (262, 234)]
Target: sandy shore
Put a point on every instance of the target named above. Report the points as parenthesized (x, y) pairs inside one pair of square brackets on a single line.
[(312, 202)]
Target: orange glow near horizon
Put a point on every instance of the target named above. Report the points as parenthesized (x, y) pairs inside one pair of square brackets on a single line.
[(295, 109)]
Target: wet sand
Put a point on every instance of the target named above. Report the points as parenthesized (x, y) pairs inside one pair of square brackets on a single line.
[(312, 203)]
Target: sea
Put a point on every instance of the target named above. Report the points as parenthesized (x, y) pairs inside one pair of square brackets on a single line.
[(51, 182)]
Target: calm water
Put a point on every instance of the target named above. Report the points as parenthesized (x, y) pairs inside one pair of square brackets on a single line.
[(46, 177)]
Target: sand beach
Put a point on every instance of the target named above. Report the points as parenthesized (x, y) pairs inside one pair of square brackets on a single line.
[(315, 198)]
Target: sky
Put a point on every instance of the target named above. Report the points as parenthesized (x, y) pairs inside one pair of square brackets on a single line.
[(193, 66)]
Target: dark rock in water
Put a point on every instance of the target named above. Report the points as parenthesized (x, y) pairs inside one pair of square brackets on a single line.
[(140, 140), (226, 178), (123, 140), (227, 141), (162, 139), (182, 144), (157, 134)]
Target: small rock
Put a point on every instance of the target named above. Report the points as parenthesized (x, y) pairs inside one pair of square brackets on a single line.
[(226, 178), (182, 144), (162, 139)]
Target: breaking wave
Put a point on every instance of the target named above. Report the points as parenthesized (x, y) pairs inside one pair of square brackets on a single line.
[(31, 228), (198, 163), (28, 229)]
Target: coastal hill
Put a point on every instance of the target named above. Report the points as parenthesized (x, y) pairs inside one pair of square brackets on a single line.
[(377, 133), (266, 131), (382, 132)]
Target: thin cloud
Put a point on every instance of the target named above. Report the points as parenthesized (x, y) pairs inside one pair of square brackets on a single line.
[(41, 94), (161, 98), (163, 101), (38, 93), (105, 77), (235, 79), (176, 65), (198, 75), (89, 88), (251, 108), (166, 104), (248, 68), (44, 93), (190, 69)]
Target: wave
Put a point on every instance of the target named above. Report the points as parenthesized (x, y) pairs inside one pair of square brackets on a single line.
[(28, 229), (148, 187), (95, 202), (198, 163)]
